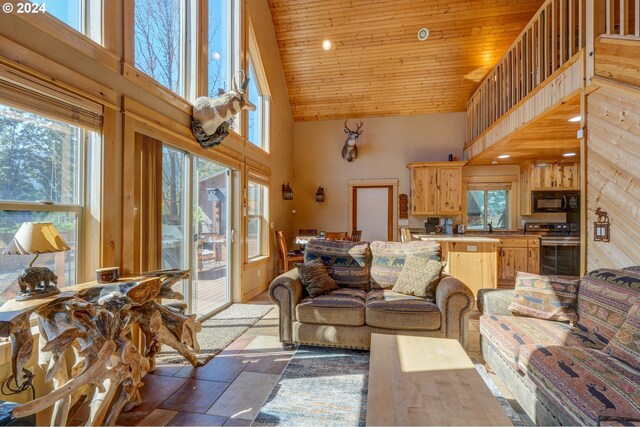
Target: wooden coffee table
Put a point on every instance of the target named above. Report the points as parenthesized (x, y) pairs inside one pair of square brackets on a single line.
[(427, 381)]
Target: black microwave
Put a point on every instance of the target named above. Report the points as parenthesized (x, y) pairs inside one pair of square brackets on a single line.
[(555, 201)]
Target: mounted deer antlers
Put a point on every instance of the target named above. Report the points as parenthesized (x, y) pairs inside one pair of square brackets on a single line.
[(350, 150)]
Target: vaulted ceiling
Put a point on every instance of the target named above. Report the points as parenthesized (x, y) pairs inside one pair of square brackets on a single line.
[(377, 66)]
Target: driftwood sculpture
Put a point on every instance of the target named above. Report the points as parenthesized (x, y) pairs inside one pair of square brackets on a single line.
[(212, 117), (95, 322)]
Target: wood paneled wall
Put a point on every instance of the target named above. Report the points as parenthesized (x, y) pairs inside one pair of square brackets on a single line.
[(613, 156)]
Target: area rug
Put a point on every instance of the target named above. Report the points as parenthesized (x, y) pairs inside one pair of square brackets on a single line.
[(328, 387), (218, 332), (319, 387)]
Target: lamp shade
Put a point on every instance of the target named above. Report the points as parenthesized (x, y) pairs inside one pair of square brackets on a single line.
[(36, 238)]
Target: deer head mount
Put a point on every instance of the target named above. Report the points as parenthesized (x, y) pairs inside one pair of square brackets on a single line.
[(213, 117), (350, 150)]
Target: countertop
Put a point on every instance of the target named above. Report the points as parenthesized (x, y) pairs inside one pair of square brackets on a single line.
[(472, 237)]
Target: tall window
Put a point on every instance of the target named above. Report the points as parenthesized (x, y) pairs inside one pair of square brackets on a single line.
[(258, 126), (42, 174), (486, 207), (160, 48), (83, 16), (257, 221), (220, 46)]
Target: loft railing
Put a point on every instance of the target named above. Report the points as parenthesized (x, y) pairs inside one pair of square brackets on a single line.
[(622, 18), (554, 35)]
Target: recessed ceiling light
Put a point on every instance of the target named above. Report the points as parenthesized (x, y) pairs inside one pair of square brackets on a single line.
[(326, 44), (423, 34), (575, 119), (495, 162), (504, 156), (569, 154)]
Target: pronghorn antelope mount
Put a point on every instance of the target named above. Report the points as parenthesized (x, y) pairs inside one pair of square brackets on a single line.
[(350, 150), (213, 117)]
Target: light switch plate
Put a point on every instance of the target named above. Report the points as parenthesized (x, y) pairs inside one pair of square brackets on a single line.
[(472, 248)]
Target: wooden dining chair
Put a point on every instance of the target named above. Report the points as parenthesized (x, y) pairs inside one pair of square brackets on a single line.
[(286, 258), (356, 235), (308, 232), (405, 235), (336, 235)]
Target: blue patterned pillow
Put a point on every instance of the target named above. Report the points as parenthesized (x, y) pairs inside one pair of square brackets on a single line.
[(348, 263)]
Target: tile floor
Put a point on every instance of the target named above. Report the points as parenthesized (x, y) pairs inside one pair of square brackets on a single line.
[(232, 387)]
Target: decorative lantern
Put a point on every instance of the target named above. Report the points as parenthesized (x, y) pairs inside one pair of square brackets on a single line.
[(287, 192), (320, 195)]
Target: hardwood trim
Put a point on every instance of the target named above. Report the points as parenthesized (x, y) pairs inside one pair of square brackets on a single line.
[(110, 27), (144, 81), (110, 204), (128, 32), (29, 62), (70, 37)]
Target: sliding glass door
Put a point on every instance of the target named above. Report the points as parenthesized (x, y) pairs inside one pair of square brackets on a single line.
[(196, 227)]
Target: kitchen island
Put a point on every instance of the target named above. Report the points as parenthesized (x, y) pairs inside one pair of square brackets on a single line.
[(483, 260)]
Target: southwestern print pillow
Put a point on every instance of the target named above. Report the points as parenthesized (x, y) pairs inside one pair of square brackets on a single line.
[(625, 345), (545, 297)]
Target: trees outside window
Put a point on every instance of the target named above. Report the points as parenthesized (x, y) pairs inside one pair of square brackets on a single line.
[(220, 46), (160, 41), (258, 120), (41, 180), (257, 222), (486, 206)]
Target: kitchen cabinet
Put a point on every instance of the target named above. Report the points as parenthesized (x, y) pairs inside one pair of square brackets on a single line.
[(517, 254), (436, 188), (558, 177)]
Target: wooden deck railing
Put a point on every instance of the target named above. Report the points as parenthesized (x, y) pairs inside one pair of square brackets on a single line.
[(622, 18), (554, 35)]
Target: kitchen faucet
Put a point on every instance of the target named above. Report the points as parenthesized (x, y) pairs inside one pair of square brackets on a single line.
[(491, 227)]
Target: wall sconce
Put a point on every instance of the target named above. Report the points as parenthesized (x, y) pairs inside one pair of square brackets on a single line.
[(320, 195), (287, 192), (601, 227)]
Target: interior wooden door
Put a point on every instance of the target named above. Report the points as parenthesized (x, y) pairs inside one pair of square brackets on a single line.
[(373, 212)]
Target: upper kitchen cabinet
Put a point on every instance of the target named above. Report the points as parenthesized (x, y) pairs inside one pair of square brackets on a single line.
[(536, 177), (436, 188)]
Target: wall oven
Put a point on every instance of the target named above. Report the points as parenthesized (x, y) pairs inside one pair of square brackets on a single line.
[(555, 201), (559, 248)]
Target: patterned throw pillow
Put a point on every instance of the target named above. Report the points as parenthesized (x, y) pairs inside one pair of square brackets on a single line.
[(420, 277), (545, 297), (388, 259), (315, 278), (625, 345), (348, 263)]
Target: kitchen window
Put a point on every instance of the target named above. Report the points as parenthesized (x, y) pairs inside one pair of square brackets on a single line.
[(488, 207)]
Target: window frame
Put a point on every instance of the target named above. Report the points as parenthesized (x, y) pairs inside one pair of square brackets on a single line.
[(92, 20), (259, 178), (488, 183), (83, 249), (254, 58)]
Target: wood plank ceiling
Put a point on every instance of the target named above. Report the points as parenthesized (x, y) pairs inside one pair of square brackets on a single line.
[(377, 66)]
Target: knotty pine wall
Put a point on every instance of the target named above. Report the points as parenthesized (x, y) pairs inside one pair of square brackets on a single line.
[(613, 175)]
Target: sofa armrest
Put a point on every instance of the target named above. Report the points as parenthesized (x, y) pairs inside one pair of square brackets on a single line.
[(454, 299), (495, 301), (286, 291)]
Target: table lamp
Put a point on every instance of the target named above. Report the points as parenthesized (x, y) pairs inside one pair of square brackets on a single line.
[(36, 238)]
